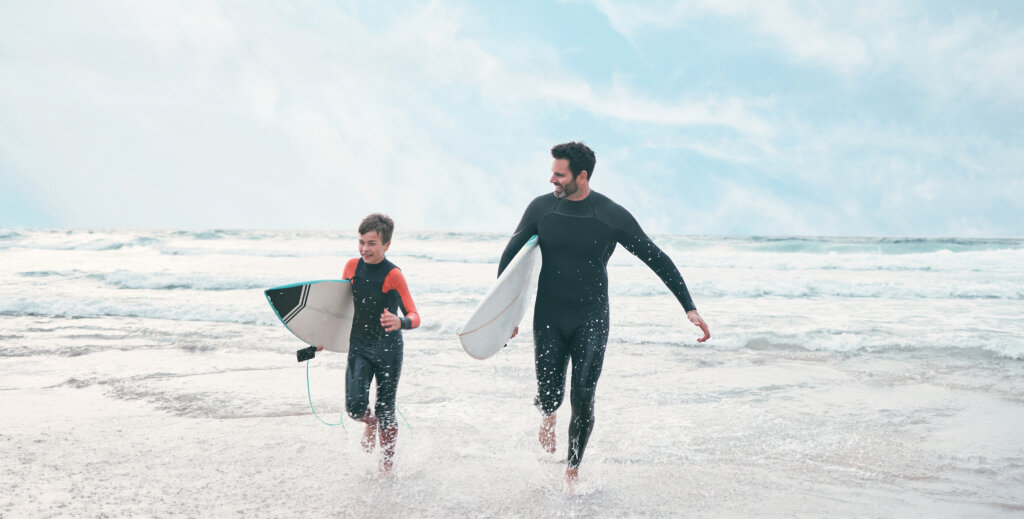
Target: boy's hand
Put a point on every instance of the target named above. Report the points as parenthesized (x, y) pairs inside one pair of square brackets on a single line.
[(390, 321), (319, 348)]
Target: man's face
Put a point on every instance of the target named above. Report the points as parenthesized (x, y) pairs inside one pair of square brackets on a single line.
[(561, 177), (371, 248)]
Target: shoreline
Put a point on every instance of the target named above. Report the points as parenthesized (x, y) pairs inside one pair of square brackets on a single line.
[(726, 433)]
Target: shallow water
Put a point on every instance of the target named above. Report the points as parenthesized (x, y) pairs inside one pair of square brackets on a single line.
[(143, 373)]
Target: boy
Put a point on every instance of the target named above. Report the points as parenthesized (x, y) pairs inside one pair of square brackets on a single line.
[(375, 344)]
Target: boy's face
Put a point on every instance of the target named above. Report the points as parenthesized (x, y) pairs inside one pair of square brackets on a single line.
[(371, 248)]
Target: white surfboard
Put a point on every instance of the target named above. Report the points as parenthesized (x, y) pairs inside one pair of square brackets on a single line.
[(317, 312), (496, 317)]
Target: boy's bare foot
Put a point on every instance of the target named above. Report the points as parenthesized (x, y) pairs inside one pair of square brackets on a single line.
[(388, 438), (369, 440), (572, 476), (547, 433)]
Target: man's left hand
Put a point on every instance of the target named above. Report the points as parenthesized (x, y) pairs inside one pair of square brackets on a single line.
[(698, 321)]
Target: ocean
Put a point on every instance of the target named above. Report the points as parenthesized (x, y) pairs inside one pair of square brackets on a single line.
[(142, 373)]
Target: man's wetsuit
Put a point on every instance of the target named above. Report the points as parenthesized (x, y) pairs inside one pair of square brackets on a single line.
[(570, 320), (374, 353)]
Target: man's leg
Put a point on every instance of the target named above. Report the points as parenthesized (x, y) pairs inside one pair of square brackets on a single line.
[(551, 357), (546, 434), (587, 344)]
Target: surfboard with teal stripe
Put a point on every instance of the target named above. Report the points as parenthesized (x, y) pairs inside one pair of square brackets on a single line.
[(317, 312)]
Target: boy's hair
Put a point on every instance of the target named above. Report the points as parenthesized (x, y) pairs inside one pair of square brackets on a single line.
[(379, 222), (580, 157)]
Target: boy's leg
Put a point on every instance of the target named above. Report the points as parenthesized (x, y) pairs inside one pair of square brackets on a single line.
[(388, 373), (358, 376)]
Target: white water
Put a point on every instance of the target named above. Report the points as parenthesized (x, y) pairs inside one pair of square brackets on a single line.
[(142, 373)]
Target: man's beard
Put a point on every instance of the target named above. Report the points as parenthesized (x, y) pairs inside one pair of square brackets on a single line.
[(568, 190)]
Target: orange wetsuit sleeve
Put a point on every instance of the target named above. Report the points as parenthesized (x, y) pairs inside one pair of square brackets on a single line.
[(350, 268), (396, 281)]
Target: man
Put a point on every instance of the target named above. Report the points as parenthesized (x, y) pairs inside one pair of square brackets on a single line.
[(577, 230)]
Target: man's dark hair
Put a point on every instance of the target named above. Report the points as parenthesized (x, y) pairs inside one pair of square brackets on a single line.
[(581, 158), (379, 222)]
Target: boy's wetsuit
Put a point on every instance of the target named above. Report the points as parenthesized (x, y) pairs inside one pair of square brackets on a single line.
[(570, 319), (374, 353)]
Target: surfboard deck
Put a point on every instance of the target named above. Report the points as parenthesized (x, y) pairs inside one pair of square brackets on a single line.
[(497, 315), (319, 313)]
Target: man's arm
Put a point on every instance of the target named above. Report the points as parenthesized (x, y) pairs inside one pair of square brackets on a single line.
[(632, 237), (644, 248), (514, 244), (526, 229), (522, 235)]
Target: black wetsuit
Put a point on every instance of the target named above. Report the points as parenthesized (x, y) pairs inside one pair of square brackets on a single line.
[(570, 320), (374, 353)]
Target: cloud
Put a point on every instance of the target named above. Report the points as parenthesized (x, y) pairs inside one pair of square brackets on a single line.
[(23, 204), (975, 53), (312, 115), (194, 114), (746, 209), (806, 32), (912, 131)]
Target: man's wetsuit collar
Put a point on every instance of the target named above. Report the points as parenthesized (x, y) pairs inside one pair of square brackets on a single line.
[(566, 199)]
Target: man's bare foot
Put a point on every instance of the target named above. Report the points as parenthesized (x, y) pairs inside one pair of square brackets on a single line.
[(572, 476), (369, 440), (547, 433)]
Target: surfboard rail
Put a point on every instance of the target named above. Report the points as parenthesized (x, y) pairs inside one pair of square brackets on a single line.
[(491, 324)]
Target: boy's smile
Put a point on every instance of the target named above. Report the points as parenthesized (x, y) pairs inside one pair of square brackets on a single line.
[(371, 248)]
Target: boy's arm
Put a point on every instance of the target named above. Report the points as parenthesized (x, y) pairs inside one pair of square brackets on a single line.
[(346, 274), (350, 269), (396, 281)]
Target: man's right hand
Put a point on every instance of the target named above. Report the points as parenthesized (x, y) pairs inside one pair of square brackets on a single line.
[(319, 348)]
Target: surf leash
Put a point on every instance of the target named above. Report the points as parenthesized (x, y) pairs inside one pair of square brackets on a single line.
[(403, 417), (341, 419), (309, 394)]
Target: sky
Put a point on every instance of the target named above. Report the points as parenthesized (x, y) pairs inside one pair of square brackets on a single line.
[(707, 117)]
